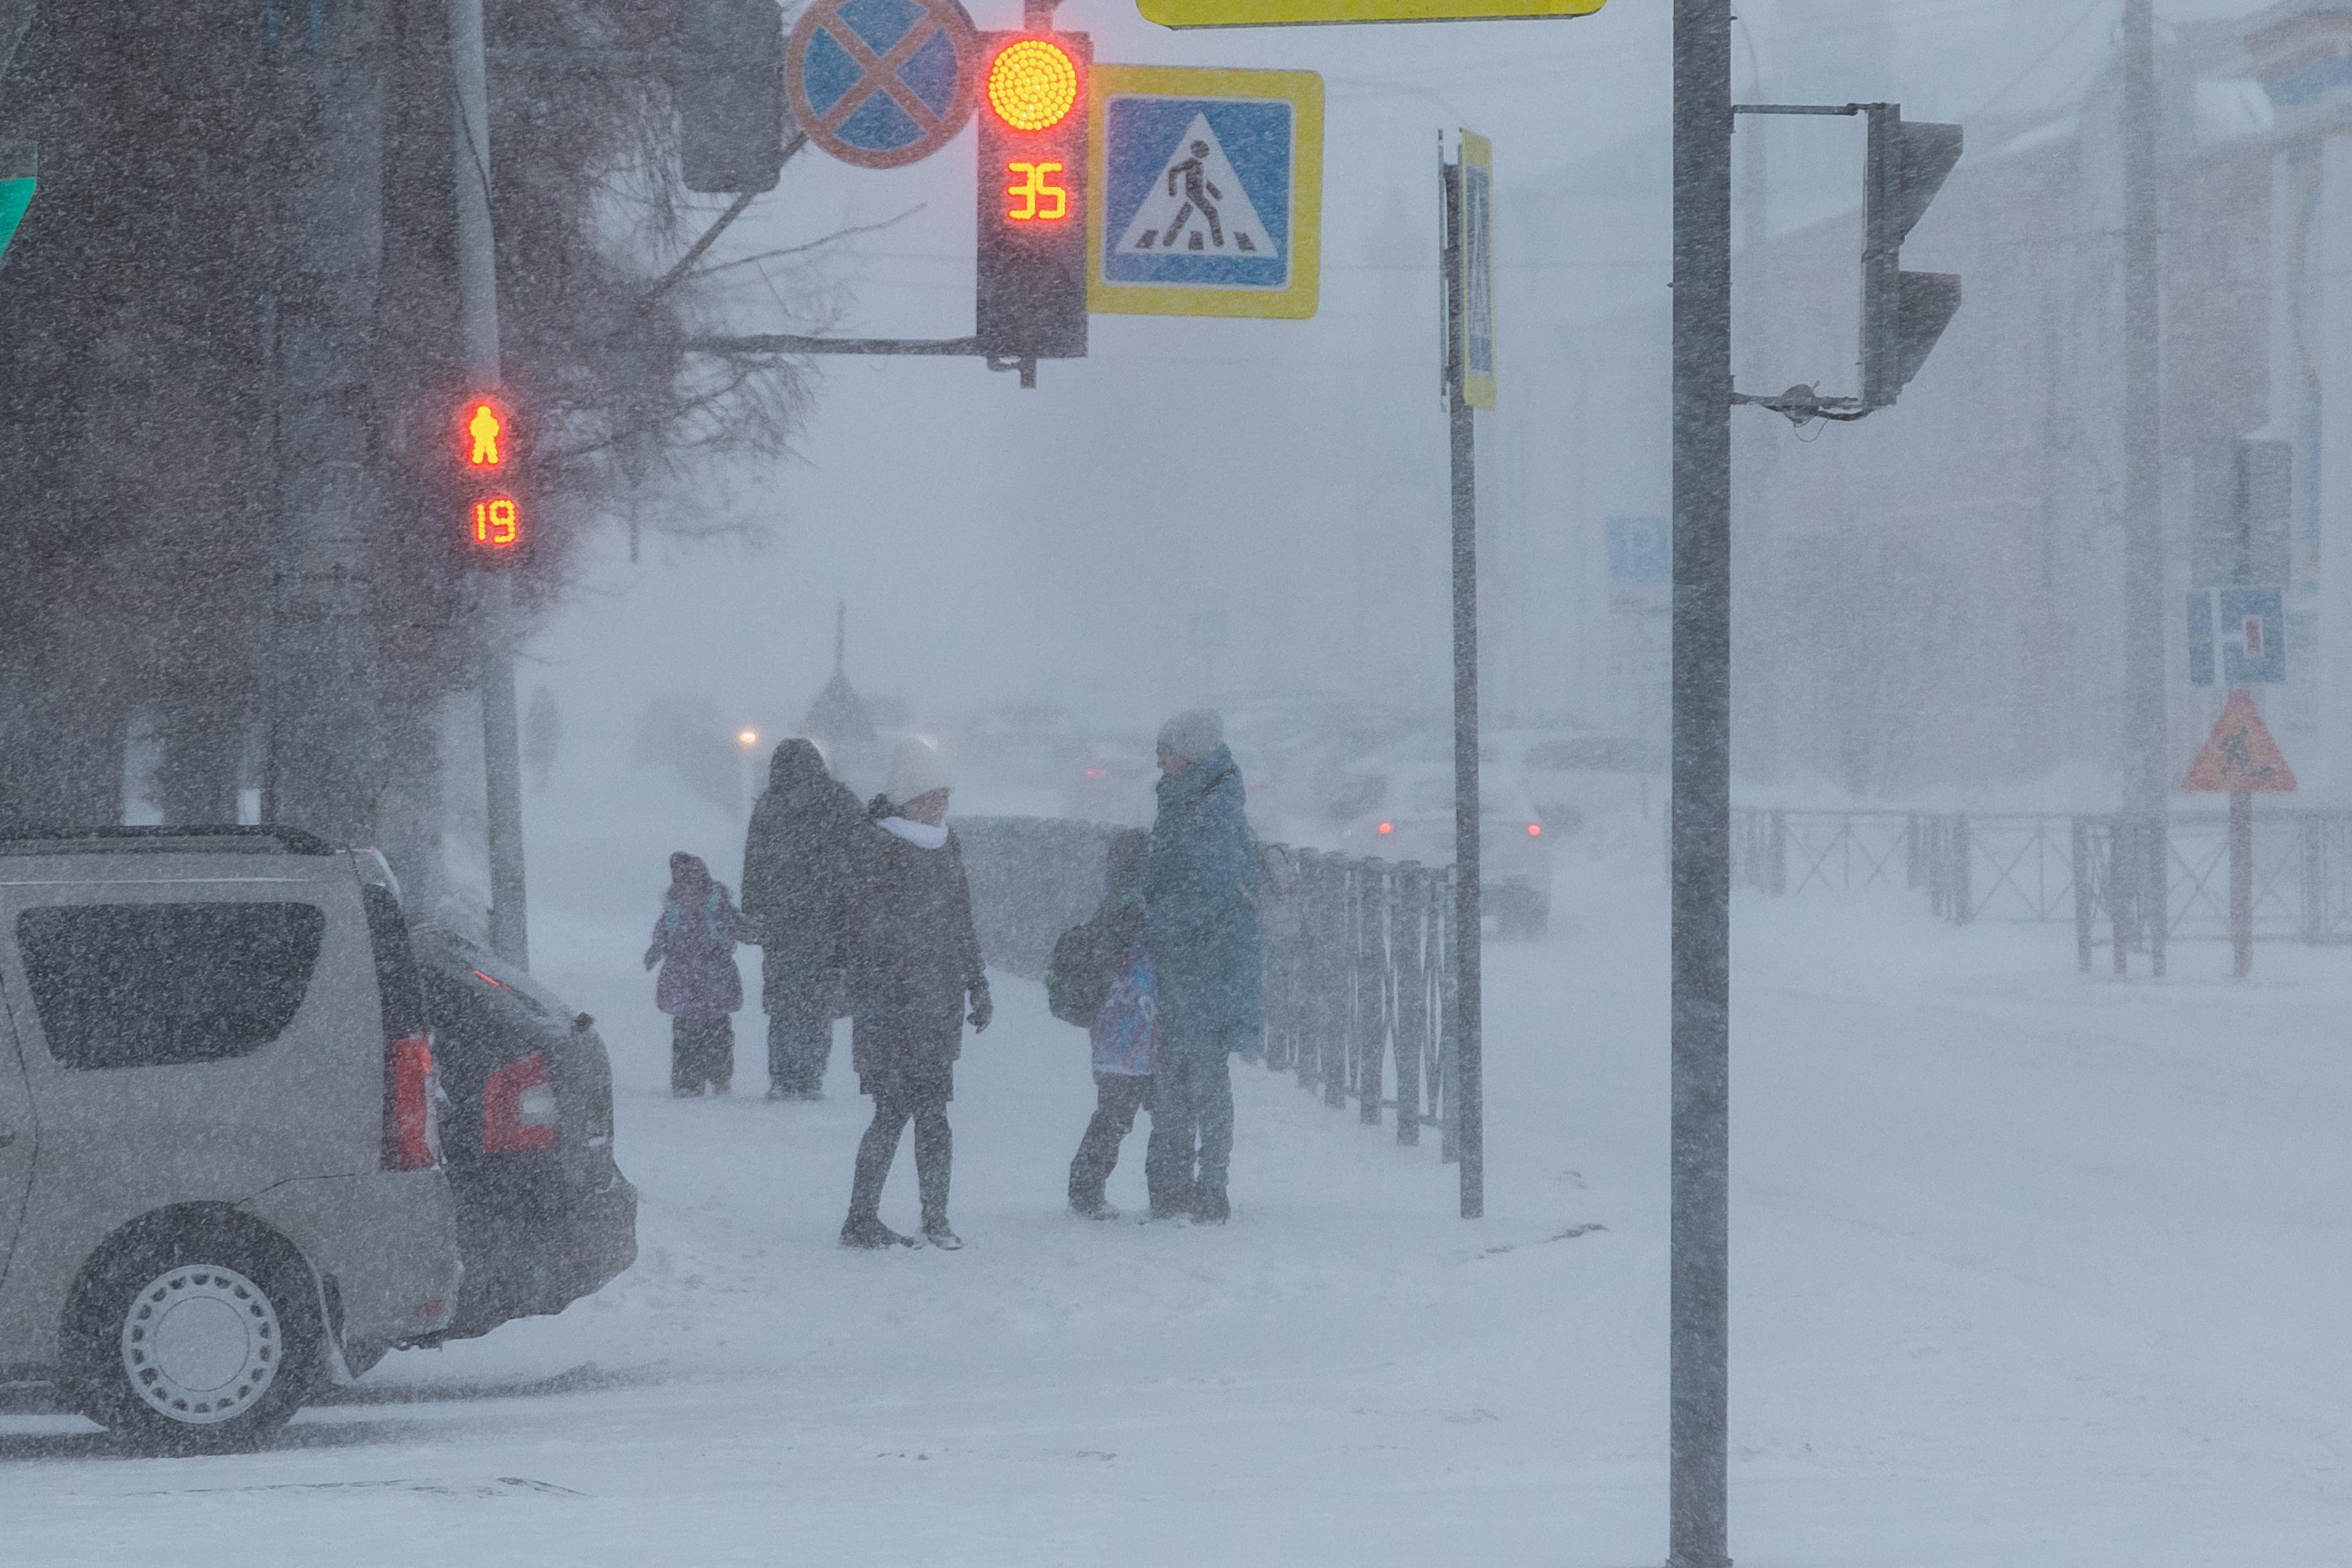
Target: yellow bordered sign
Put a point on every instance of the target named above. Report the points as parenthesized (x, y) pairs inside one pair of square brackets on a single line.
[(1281, 13), (1206, 192), (1475, 269)]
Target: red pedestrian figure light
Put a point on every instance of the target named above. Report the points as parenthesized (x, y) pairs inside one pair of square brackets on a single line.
[(484, 429)]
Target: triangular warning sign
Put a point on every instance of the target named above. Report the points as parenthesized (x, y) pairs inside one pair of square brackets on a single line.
[(1197, 206), (2240, 755)]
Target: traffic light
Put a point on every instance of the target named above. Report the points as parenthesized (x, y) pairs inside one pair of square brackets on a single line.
[(730, 94), (1903, 313), (1031, 298), (492, 518)]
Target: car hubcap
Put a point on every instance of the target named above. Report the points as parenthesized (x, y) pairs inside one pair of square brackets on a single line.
[(201, 1343)]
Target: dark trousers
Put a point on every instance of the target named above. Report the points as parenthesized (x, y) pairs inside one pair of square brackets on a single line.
[(934, 1155), (1191, 1123), (800, 1043), (702, 1051), (1117, 1097)]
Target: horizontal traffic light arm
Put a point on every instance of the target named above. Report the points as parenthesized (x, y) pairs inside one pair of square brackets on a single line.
[(794, 343), (934, 347)]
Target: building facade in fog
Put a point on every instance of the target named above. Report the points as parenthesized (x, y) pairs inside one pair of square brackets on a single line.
[(1930, 601)]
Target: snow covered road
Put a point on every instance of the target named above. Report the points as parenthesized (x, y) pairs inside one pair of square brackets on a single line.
[(2028, 1270)]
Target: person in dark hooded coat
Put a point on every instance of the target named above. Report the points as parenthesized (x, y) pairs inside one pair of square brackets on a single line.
[(795, 880), (914, 969)]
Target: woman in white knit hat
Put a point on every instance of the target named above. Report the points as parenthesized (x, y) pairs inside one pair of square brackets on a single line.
[(914, 970)]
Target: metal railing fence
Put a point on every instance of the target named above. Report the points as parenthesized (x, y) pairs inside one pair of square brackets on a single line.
[(2060, 867), (1358, 976)]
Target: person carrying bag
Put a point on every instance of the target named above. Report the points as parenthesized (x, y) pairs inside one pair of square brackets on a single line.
[(1101, 977)]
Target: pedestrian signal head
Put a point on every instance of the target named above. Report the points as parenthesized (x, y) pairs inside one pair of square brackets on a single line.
[(1033, 84)]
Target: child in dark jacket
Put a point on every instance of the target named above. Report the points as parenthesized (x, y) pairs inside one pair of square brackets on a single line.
[(700, 987)]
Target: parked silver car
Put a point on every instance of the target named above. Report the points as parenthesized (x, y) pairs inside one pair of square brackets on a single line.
[(220, 1169)]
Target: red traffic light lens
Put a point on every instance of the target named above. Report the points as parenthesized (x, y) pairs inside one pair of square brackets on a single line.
[(1032, 85)]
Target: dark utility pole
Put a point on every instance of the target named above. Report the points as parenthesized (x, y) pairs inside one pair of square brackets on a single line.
[(327, 755), (1470, 1093), (477, 326), (2144, 746), (1699, 1289)]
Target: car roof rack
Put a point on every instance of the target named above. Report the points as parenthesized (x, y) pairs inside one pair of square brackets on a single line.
[(206, 837)]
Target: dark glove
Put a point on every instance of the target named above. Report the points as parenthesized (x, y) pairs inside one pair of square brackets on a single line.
[(982, 1007)]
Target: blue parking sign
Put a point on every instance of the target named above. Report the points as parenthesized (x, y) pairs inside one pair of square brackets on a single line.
[(1641, 550)]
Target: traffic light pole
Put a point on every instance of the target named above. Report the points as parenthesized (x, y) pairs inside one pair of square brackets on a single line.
[(478, 325), (1699, 1268), (1469, 922), (2143, 413)]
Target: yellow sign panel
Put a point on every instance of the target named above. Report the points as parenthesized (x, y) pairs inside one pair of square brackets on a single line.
[(1282, 13), (1206, 192), (1473, 263)]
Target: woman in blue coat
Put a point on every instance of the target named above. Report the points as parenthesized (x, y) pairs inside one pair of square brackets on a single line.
[(1200, 925)]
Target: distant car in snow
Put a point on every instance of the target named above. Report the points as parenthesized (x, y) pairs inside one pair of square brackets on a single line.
[(544, 1215), (1404, 810), (1110, 782), (1579, 780)]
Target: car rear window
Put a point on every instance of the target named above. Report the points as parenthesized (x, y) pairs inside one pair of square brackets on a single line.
[(155, 985), (396, 979)]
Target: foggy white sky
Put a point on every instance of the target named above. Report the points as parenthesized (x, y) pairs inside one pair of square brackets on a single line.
[(997, 544)]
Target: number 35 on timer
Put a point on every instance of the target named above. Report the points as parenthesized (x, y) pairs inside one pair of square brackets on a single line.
[(1036, 198)]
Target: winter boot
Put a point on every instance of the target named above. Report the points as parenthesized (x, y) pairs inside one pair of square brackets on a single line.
[(937, 1233), (872, 1235), (1210, 1207)]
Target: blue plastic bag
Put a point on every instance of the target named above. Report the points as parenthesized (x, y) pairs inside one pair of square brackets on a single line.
[(1126, 1029)]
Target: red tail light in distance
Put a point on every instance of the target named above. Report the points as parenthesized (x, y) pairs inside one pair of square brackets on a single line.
[(519, 1111)]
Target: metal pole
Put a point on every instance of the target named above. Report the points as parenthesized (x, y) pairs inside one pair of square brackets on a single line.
[(2241, 881), (1700, 1228), (1469, 1074), (2145, 739), (328, 756), (478, 329)]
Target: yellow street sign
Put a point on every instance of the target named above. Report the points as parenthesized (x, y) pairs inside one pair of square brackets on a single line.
[(1473, 263), (1281, 13), (1206, 192)]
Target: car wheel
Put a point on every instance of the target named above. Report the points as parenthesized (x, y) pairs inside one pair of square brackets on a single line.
[(196, 1343)]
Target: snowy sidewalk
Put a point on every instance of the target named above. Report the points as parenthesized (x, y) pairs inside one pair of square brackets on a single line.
[(2028, 1270)]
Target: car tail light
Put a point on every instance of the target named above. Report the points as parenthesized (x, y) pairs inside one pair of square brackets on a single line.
[(519, 1111), (1387, 828), (412, 1126), (1535, 830)]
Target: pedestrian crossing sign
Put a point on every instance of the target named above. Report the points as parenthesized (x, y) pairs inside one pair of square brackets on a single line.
[(1208, 192)]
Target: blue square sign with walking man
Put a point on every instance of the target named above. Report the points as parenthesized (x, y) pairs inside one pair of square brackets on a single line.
[(1208, 192)]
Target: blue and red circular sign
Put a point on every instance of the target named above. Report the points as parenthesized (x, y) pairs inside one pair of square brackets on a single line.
[(880, 83)]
